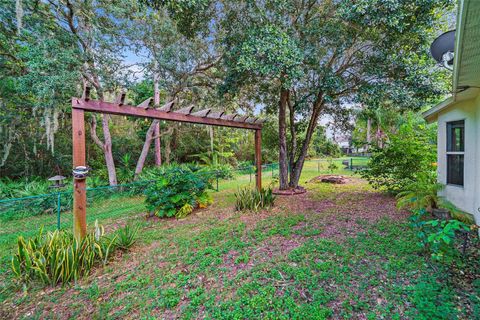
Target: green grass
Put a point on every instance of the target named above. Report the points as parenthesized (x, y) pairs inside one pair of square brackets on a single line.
[(272, 265)]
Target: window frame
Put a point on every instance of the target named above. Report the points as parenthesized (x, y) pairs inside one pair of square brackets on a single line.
[(450, 125)]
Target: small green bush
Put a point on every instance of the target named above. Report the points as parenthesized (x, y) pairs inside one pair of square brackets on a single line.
[(253, 199), (441, 239), (332, 166), (407, 153), (438, 237), (57, 257), (174, 187)]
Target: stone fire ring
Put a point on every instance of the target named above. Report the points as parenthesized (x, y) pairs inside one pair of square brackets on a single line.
[(290, 192)]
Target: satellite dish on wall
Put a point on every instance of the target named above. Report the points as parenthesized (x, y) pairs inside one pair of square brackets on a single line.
[(442, 49)]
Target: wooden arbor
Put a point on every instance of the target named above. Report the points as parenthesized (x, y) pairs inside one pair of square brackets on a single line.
[(146, 110)]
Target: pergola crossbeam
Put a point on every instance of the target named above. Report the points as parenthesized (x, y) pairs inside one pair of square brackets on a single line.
[(182, 115), (229, 117), (202, 113), (240, 118), (147, 103), (215, 115), (186, 110), (167, 107)]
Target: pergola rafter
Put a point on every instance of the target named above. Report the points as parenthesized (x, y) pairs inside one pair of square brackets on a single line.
[(146, 109)]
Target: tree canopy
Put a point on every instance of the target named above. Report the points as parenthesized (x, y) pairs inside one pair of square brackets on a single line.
[(295, 62)]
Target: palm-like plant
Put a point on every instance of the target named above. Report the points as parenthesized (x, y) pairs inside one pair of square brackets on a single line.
[(422, 193)]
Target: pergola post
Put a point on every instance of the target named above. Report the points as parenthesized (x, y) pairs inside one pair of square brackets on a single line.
[(258, 158), (79, 185)]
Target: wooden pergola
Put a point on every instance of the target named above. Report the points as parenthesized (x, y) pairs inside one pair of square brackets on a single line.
[(145, 110)]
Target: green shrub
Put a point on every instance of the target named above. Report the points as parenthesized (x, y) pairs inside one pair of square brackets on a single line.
[(174, 187), (441, 238), (253, 199), (438, 237), (57, 257), (407, 153), (332, 166)]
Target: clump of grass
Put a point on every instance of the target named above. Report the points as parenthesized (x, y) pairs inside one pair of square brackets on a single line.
[(254, 200)]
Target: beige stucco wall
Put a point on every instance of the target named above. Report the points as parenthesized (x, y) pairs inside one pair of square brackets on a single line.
[(467, 197)]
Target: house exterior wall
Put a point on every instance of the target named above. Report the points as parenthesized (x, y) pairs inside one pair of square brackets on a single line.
[(466, 197)]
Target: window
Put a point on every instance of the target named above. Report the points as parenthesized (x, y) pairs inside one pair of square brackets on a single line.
[(455, 152)]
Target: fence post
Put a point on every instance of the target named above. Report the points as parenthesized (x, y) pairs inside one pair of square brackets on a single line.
[(351, 163), (318, 166), (59, 196), (217, 179)]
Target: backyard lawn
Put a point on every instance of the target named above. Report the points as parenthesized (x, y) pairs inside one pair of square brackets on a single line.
[(339, 251)]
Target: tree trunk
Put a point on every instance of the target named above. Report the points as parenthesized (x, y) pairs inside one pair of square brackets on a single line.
[(107, 150), (293, 136), (168, 152), (106, 145), (210, 131), (369, 132), (156, 101), (312, 125), (168, 146), (153, 133), (282, 140), (158, 150), (145, 149)]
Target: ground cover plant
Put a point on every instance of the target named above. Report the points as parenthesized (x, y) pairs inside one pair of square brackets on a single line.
[(339, 251)]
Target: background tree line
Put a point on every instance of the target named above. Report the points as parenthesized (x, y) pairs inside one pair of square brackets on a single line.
[(291, 61)]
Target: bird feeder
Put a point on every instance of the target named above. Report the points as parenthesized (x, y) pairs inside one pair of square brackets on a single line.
[(57, 182)]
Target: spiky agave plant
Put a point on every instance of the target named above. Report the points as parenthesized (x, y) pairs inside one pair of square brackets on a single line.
[(126, 237)]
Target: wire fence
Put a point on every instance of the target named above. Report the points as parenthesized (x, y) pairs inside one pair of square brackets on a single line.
[(24, 216)]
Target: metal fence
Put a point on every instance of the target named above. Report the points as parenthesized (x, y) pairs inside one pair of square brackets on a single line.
[(24, 216)]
